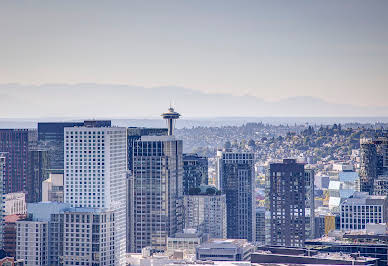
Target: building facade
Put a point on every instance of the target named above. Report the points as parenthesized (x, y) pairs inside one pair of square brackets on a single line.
[(38, 166), (95, 175), (368, 165), (15, 203), (236, 179), (2, 214), (362, 209), (157, 192), (195, 171), (225, 250), (206, 212), (309, 203), (52, 188), (15, 147), (287, 200), (260, 226), (32, 242), (51, 137)]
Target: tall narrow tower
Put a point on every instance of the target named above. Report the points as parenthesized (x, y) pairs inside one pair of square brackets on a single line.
[(170, 116)]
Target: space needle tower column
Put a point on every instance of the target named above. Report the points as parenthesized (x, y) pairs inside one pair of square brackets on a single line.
[(170, 116)]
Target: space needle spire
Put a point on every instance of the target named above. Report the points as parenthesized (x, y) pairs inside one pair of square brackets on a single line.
[(170, 117)]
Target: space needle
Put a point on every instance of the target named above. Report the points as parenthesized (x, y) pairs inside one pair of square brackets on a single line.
[(170, 116)]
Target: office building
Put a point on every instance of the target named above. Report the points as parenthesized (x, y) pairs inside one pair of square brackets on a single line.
[(135, 133), (368, 165), (309, 203), (9, 235), (88, 237), (15, 203), (52, 188), (195, 171), (15, 146), (205, 211), (260, 226), (380, 186), (38, 166), (287, 202), (51, 137), (362, 209), (236, 179), (32, 242), (33, 234), (156, 191), (2, 214), (95, 175), (225, 250), (373, 162)]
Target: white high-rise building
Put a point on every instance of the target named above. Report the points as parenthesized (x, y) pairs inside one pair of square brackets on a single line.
[(95, 175)]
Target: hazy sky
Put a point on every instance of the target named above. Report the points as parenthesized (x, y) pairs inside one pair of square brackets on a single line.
[(335, 49)]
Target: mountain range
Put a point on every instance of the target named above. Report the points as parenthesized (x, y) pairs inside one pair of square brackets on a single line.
[(124, 101)]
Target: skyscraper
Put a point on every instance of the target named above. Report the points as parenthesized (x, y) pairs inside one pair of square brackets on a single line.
[(309, 202), (236, 179), (156, 192), (373, 162), (51, 136), (135, 133), (260, 225), (195, 171), (38, 166), (2, 166), (287, 198), (205, 210), (14, 145), (95, 175), (368, 165)]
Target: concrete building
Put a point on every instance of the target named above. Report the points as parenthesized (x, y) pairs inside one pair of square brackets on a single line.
[(236, 179), (96, 173), (32, 242), (225, 250), (361, 209), (260, 226), (156, 192), (88, 237), (186, 241), (66, 235), (52, 188), (15, 203), (287, 200), (205, 210), (195, 171)]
